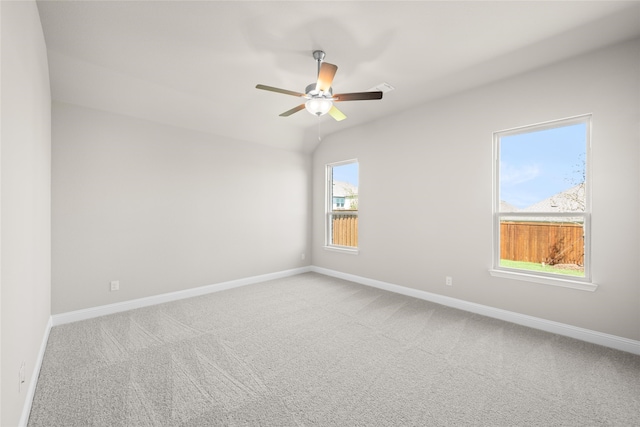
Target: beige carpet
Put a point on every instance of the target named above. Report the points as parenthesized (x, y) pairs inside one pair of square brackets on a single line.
[(314, 350)]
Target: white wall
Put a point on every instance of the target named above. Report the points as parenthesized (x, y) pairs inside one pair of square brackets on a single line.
[(438, 160), (25, 227), (163, 209)]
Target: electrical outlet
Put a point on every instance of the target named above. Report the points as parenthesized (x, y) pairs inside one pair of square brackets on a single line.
[(115, 285), (448, 281)]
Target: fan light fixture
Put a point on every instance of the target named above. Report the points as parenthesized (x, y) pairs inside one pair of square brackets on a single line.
[(318, 106)]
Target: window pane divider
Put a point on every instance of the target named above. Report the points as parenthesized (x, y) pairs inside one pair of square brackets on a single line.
[(352, 213), (541, 214)]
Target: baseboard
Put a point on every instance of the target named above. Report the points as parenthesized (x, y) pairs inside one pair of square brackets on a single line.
[(594, 337), (33, 381), (103, 310)]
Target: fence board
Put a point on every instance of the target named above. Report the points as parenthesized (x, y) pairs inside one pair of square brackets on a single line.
[(561, 243), (345, 230)]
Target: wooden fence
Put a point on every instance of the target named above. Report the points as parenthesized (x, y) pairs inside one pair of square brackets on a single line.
[(551, 243), (344, 230)]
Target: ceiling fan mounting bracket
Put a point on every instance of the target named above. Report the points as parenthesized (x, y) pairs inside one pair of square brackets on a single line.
[(318, 55)]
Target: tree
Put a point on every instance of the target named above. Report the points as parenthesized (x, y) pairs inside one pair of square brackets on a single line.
[(577, 198), (352, 196)]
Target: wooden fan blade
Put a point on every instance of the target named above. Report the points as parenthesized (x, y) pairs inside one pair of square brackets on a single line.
[(293, 110), (358, 96), (325, 76), (275, 89), (337, 114)]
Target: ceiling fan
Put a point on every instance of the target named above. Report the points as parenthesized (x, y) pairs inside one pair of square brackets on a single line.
[(319, 95)]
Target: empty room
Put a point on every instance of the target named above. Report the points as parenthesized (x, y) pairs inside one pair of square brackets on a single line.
[(333, 213)]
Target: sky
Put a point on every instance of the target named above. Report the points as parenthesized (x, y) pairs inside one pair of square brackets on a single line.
[(537, 165), (346, 173)]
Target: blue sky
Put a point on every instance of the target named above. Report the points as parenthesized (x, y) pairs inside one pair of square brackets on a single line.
[(537, 165), (346, 173)]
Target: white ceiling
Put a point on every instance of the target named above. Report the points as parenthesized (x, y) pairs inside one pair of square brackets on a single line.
[(195, 64)]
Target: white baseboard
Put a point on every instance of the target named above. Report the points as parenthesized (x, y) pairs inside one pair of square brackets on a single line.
[(103, 310), (594, 337), (33, 381)]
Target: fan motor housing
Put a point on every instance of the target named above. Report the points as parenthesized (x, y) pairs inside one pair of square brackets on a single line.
[(311, 91)]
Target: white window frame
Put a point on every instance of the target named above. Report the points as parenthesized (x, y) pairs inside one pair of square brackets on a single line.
[(581, 283), (329, 208)]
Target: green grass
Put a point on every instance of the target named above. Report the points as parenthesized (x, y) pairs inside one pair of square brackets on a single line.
[(534, 266)]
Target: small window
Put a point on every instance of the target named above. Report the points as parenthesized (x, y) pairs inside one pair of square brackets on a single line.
[(342, 205), (542, 206)]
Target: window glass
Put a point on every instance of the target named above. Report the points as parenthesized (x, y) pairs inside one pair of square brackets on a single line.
[(542, 212), (342, 206)]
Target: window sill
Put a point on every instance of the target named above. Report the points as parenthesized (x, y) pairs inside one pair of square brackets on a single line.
[(553, 281), (343, 249)]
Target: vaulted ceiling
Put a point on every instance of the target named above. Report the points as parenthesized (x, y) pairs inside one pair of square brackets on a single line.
[(195, 64)]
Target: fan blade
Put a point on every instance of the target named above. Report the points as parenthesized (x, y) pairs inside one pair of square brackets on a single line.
[(325, 76), (293, 110), (358, 96), (275, 89), (337, 114)]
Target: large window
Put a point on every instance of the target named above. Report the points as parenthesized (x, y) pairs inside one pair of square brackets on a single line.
[(342, 206), (541, 203)]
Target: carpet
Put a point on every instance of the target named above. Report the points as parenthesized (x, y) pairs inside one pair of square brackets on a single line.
[(314, 350)]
